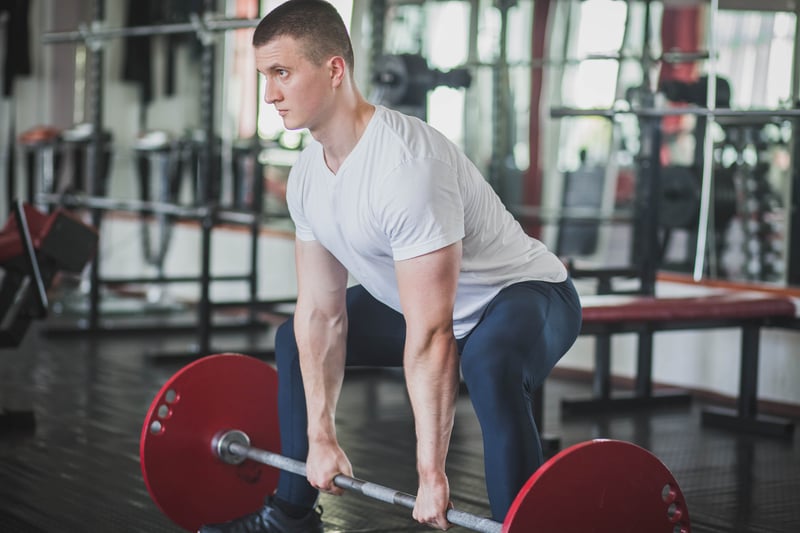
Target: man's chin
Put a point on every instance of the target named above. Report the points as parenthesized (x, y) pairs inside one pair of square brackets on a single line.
[(291, 125)]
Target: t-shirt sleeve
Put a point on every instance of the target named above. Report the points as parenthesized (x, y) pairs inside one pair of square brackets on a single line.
[(302, 228), (419, 208)]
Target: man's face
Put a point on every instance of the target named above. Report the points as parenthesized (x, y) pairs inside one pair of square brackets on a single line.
[(296, 87)]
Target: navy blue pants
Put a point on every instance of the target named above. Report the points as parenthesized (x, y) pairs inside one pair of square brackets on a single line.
[(523, 333)]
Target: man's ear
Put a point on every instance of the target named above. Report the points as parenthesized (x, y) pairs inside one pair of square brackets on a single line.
[(338, 69)]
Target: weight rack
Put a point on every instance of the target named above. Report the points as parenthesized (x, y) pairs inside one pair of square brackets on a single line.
[(209, 212)]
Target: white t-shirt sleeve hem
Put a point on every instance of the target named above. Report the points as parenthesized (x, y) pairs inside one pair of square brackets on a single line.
[(304, 235), (409, 252)]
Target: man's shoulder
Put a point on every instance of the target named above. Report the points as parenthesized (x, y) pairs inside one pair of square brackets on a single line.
[(395, 119), (419, 138)]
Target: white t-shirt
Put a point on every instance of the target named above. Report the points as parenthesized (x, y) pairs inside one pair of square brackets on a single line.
[(406, 190)]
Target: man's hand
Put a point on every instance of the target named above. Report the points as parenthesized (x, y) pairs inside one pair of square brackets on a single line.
[(433, 501), (326, 461)]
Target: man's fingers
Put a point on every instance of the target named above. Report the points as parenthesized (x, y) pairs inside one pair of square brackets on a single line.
[(328, 487), (440, 523)]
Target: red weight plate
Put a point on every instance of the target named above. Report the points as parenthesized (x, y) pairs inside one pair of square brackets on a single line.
[(600, 486), (182, 473)]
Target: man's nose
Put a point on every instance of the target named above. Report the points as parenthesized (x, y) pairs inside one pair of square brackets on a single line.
[(271, 94)]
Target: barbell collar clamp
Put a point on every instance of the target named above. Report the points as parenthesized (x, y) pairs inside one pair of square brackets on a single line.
[(221, 446)]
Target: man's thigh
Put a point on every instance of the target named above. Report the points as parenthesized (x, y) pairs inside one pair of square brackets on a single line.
[(376, 333)]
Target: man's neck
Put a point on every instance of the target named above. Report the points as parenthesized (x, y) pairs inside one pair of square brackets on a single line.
[(344, 131)]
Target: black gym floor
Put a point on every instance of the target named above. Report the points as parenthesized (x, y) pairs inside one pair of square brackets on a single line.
[(78, 471)]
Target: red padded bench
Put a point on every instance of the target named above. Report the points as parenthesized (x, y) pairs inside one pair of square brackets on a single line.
[(606, 315)]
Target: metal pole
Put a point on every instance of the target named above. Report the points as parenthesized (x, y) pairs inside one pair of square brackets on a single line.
[(766, 114), (31, 259), (234, 446), (257, 209), (792, 259), (378, 19), (207, 177), (7, 169), (146, 207), (501, 103), (131, 205), (648, 187), (708, 147), (96, 149), (102, 34)]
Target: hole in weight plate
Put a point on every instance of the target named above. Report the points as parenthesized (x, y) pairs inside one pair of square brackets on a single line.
[(674, 513), (668, 493)]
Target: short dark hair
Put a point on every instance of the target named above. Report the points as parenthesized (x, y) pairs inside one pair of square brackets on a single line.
[(314, 22)]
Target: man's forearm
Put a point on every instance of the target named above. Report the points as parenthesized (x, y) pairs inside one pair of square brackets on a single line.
[(320, 340), (431, 367)]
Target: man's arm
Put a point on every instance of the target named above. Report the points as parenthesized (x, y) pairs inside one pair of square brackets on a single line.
[(320, 324), (427, 287)]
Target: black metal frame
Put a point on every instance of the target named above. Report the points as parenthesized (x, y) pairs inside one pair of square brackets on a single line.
[(793, 263)]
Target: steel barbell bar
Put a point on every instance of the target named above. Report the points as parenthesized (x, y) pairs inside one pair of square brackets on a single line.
[(233, 447)]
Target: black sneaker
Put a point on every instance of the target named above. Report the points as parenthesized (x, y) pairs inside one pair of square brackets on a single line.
[(270, 519)]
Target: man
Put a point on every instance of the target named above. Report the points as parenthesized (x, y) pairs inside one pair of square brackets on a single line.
[(449, 283)]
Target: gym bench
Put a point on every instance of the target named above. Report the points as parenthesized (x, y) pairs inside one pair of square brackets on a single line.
[(609, 314), (34, 247)]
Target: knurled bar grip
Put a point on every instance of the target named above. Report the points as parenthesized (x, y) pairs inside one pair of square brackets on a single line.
[(228, 444)]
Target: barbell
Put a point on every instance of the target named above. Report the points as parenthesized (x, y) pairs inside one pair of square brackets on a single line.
[(207, 453)]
